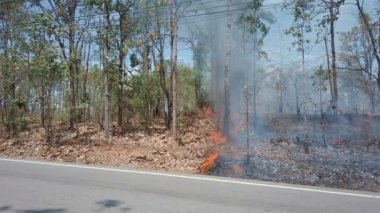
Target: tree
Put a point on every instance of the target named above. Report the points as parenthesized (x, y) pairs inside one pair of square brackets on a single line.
[(333, 13), (358, 61), (226, 127), (302, 24), (124, 31), (45, 73), (295, 77), (12, 46), (106, 10), (173, 61), (65, 26), (369, 27), (158, 40), (104, 7), (256, 22)]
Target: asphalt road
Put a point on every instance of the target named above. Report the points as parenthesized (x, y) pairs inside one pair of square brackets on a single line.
[(44, 187)]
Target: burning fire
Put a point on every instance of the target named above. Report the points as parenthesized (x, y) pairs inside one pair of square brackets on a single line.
[(209, 163), (219, 139)]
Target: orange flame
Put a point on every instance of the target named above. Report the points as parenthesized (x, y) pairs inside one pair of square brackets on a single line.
[(209, 163)]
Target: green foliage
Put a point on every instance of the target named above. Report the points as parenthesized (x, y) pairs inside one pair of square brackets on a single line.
[(45, 69), (302, 12), (256, 20), (61, 116), (186, 89), (143, 91), (20, 124)]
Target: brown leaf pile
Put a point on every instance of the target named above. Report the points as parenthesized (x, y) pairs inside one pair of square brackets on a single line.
[(139, 149)]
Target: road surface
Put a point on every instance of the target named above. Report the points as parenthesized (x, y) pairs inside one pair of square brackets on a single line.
[(46, 187)]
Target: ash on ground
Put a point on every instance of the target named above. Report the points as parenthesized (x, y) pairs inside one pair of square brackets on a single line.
[(340, 154)]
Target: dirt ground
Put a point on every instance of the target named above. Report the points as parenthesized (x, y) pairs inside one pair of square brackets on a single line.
[(153, 149)]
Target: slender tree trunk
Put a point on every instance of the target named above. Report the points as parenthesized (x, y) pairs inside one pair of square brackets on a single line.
[(372, 100), (78, 98), (333, 58), (227, 109), (320, 98), (305, 94), (42, 105), (120, 105), (174, 28), (254, 67), (168, 113), (86, 95), (162, 74), (106, 48), (281, 98), (9, 83), (72, 58), (247, 120), (298, 111), (322, 123), (49, 118), (87, 55), (328, 67)]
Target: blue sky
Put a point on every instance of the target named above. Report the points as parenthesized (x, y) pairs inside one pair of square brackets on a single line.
[(279, 46)]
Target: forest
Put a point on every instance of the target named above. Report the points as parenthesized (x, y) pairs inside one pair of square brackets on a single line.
[(275, 90)]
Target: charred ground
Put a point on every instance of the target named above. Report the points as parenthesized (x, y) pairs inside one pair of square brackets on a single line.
[(341, 152)]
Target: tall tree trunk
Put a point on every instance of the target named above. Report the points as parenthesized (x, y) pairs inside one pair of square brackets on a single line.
[(168, 113), (333, 57), (173, 44), (298, 110), (328, 67), (72, 58), (227, 109), (120, 90), (106, 49), (49, 118), (43, 105), (86, 95), (281, 96), (78, 98), (84, 86), (9, 82), (305, 138), (254, 67), (162, 72)]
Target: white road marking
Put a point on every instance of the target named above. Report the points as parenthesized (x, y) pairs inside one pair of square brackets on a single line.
[(193, 178)]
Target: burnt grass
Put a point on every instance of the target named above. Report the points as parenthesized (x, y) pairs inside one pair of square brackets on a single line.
[(339, 152)]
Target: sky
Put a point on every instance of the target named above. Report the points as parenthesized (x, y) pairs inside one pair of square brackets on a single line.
[(279, 46)]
